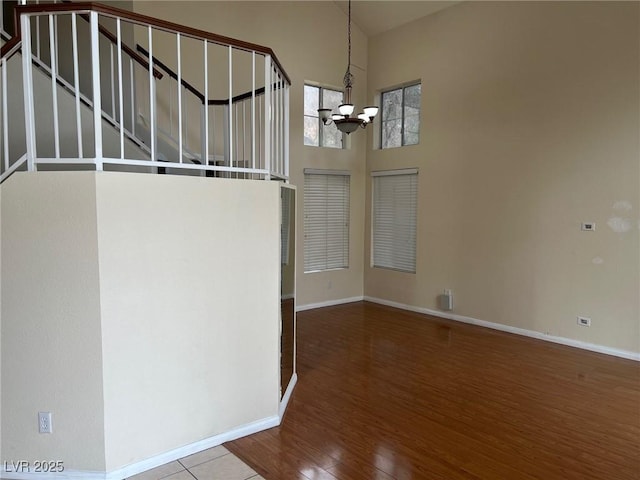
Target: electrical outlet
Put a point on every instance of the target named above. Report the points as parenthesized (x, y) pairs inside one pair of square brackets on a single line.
[(44, 422), (445, 301), (584, 321), (588, 226)]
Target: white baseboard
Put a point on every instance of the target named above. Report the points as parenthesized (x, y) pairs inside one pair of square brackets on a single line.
[(152, 462), (287, 395), (328, 303), (509, 329), (67, 475)]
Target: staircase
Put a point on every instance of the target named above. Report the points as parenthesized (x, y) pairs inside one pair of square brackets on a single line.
[(77, 95)]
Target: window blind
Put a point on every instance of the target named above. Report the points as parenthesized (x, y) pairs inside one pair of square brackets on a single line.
[(326, 220), (395, 198)]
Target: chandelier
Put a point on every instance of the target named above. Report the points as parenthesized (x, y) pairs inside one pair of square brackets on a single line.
[(344, 120)]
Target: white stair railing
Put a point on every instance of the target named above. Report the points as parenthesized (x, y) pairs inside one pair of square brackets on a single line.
[(98, 92), (13, 149), (233, 138)]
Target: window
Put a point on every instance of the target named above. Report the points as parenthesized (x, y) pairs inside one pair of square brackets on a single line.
[(395, 197), (315, 132), (400, 117), (326, 219)]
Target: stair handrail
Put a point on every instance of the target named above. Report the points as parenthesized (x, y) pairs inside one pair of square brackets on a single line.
[(10, 48), (150, 21), (197, 93), (172, 74), (17, 38), (125, 48)]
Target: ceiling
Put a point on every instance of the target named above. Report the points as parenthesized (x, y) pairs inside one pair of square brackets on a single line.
[(374, 17)]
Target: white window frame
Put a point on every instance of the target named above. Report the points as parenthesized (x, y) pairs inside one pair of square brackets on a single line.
[(322, 126), (402, 118), (394, 219), (326, 219)]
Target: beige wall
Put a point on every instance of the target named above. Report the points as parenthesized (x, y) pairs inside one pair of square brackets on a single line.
[(51, 347), (190, 299), (141, 310), (523, 105), (309, 38), (529, 127)]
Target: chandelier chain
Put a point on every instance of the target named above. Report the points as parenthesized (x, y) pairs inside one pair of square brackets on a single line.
[(348, 78), (349, 36)]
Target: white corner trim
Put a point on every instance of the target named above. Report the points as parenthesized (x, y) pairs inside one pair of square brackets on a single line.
[(287, 395), (152, 462), (329, 303), (509, 329)]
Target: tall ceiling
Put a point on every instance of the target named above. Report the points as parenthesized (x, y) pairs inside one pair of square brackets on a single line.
[(377, 16)]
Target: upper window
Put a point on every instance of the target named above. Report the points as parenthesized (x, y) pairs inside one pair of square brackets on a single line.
[(401, 116), (315, 132)]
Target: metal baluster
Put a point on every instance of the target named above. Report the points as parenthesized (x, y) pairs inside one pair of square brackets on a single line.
[(286, 130), (5, 116), (112, 81), (54, 88), (205, 107), (253, 109), (230, 109), (267, 115), (213, 130), (244, 134), (37, 35), (97, 102), (179, 98), (56, 44), (186, 119), (29, 119), (237, 135), (133, 101), (260, 146), (152, 107), (76, 81), (120, 92), (278, 123), (170, 111)]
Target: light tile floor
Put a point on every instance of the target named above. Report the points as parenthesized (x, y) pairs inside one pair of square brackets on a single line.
[(216, 463)]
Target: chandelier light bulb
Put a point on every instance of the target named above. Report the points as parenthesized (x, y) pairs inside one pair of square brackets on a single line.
[(324, 114), (370, 111), (346, 109)]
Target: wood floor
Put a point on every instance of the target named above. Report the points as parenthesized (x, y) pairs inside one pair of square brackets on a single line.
[(388, 394)]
